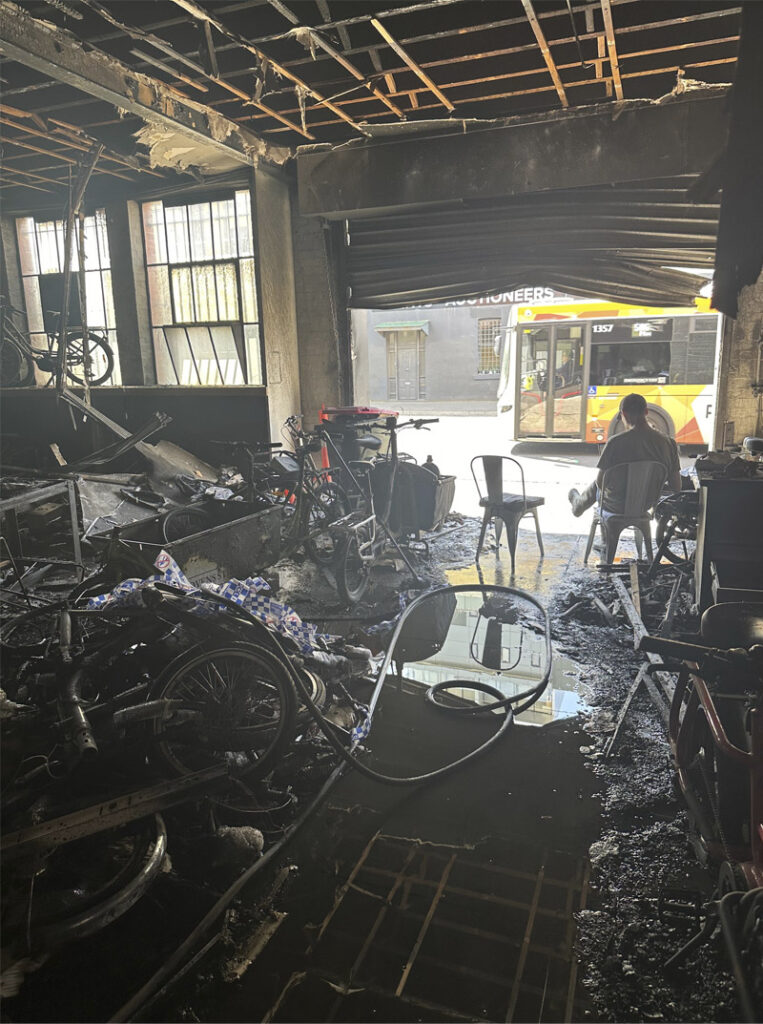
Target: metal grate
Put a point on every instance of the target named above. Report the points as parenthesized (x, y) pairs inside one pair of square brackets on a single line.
[(437, 933), (488, 360)]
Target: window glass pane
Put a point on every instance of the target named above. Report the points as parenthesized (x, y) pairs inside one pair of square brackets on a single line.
[(92, 255), (253, 361), (96, 314), (33, 305), (165, 371), (201, 232), (201, 343), (177, 341), (227, 355), (177, 234), (27, 246), (224, 228), (244, 218), (248, 290), (182, 294), (153, 227), (48, 247), (60, 233), (103, 238), (638, 362), (111, 319), (227, 291), (204, 292), (116, 374), (159, 295)]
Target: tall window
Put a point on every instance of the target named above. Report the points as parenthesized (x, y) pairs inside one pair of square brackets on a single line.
[(488, 359), (201, 282), (41, 253)]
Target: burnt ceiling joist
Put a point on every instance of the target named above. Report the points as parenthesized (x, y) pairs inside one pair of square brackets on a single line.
[(192, 127)]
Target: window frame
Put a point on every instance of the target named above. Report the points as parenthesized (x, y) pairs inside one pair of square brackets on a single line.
[(239, 326), (492, 374)]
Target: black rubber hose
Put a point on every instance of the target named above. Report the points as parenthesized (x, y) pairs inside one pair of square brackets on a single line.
[(527, 697)]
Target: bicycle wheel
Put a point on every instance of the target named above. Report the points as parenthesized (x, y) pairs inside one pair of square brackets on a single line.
[(331, 503), (86, 884), (16, 368), (234, 704), (666, 528), (99, 359), (182, 522), (352, 573)]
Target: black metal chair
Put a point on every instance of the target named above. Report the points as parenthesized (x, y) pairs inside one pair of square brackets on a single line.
[(504, 509)]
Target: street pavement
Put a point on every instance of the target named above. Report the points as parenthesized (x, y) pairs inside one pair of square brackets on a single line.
[(551, 468)]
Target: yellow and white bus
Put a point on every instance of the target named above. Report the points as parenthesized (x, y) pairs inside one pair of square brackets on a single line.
[(566, 366)]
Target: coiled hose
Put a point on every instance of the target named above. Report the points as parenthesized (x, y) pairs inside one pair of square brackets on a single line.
[(512, 705)]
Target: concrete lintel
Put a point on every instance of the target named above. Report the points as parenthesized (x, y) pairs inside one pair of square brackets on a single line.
[(58, 54), (634, 141)]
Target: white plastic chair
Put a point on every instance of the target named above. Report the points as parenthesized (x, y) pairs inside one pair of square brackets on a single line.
[(643, 484)]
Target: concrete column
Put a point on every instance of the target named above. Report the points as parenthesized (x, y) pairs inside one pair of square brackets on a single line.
[(278, 313), (320, 373), (10, 271), (128, 283), (741, 367)]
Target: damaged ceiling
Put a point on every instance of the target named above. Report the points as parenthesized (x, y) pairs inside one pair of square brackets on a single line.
[(256, 78)]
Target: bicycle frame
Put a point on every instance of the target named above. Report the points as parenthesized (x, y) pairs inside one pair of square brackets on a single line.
[(693, 697)]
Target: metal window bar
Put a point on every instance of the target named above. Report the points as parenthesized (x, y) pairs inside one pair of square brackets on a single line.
[(488, 362)]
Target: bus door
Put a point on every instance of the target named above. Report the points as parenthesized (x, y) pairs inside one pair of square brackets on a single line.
[(550, 380)]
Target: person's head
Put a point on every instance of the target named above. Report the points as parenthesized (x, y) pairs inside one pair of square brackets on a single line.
[(633, 410)]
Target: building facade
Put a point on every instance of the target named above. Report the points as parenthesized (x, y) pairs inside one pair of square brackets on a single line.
[(446, 357)]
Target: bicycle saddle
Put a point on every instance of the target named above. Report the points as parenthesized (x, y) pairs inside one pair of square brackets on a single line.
[(369, 441), (733, 624)]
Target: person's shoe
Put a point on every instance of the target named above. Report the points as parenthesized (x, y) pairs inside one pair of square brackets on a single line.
[(578, 508)]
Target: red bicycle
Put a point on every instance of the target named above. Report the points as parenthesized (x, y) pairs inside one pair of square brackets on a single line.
[(716, 738)]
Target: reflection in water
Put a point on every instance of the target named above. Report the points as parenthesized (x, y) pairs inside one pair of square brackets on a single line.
[(484, 636)]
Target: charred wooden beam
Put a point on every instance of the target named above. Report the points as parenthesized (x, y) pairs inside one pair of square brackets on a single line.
[(415, 68), (160, 44), (201, 14), (58, 54), (614, 64), (545, 50)]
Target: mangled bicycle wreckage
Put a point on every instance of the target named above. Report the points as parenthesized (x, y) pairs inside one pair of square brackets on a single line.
[(127, 713)]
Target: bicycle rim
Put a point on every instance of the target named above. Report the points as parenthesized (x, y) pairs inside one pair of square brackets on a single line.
[(100, 360), (88, 883), (331, 503), (352, 573), (230, 704)]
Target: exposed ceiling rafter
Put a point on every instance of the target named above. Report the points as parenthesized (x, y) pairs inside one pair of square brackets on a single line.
[(201, 14), (58, 54), (546, 51), (614, 64), (415, 68)]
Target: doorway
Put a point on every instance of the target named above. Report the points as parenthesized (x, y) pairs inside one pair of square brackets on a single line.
[(406, 369), (550, 380)]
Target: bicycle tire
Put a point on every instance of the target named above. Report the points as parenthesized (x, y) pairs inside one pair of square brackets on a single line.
[(75, 358), (16, 367), (90, 882), (352, 573), (331, 503), (182, 522), (252, 747), (671, 556)]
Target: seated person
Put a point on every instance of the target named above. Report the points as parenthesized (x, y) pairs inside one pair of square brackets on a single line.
[(638, 443)]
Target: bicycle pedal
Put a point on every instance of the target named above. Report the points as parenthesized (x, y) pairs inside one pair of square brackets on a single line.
[(680, 906)]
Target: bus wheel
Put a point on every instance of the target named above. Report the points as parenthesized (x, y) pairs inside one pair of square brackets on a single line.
[(657, 418)]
